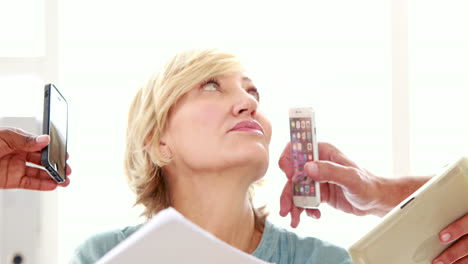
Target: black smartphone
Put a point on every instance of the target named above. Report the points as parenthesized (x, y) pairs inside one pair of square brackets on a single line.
[(55, 124)]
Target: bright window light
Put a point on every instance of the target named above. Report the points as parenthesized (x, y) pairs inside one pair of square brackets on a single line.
[(22, 28), (438, 69)]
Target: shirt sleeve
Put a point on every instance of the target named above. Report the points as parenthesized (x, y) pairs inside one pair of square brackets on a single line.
[(79, 258), (96, 247)]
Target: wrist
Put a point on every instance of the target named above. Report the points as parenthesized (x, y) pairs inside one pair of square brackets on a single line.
[(392, 191), (385, 192)]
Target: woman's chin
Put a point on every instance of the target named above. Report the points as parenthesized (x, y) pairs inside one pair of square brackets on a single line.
[(258, 158), (251, 151)]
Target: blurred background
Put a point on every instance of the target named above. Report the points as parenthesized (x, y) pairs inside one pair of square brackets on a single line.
[(388, 80)]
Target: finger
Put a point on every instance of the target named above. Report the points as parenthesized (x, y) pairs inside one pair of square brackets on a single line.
[(65, 184), (455, 230), (31, 183), (37, 173), (296, 216), (454, 253), (286, 199), (324, 192), (314, 213), (11, 140), (16, 130), (331, 153), (69, 170), (34, 157), (285, 161), (463, 260), (325, 171)]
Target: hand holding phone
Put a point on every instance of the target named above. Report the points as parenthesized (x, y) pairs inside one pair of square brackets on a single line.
[(304, 148), (55, 124)]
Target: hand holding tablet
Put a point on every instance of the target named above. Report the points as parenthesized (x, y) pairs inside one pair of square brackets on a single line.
[(456, 233), (411, 232)]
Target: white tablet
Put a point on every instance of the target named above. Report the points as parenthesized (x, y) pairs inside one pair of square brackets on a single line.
[(409, 233), (169, 237)]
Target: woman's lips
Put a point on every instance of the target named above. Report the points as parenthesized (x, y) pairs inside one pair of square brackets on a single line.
[(251, 126), (246, 129)]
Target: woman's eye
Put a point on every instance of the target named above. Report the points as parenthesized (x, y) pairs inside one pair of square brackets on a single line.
[(211, 86), (255, 94)]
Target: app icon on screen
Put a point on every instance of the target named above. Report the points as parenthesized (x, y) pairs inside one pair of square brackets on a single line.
[(308, 124), (298, 124), (309, 136), (301, 189), (307, 189), (310, 157), (303, 124), (309, 146), (293, 124), (303, 136)]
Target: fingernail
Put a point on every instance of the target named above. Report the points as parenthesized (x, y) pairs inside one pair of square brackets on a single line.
[(311, 214), (41, 139), (283, 212), (445, 238), (439, 262), (312, 169)]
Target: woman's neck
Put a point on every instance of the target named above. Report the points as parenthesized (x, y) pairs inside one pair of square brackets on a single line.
[(220, 206)]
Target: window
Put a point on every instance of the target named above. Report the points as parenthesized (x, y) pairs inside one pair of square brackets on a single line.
[(438, 60)]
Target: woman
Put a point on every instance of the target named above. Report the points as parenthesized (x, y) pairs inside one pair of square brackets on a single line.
[(197, 141)]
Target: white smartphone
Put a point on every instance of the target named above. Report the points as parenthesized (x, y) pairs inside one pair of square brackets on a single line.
[(306, 192)]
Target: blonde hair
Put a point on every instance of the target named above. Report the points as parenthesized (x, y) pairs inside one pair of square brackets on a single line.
[(147, 120)]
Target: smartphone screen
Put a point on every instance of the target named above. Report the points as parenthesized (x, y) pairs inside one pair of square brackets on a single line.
[(302, 151), (55, 124)]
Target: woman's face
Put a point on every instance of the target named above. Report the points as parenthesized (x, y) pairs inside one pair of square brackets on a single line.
[(217, 126)]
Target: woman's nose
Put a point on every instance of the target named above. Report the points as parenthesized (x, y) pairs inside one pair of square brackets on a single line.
[(245, 103)]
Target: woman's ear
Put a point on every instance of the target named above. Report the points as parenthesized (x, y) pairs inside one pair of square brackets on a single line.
[(164, 149)]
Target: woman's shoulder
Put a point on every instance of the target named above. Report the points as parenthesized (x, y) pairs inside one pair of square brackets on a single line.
[(280, 245), (96, 246)]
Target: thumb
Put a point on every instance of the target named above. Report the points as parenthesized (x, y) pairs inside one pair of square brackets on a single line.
[(326, 171), (11, 140)]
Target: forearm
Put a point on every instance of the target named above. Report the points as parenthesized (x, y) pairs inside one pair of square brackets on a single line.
[(394, 190)]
